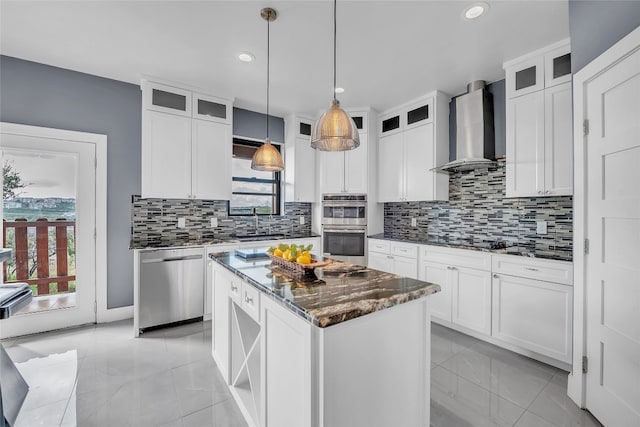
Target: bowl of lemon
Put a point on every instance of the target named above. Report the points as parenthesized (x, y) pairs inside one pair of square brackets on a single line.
[(294, 257)]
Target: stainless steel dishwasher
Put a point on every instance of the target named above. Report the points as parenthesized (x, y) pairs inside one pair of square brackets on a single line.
[(171, 286)]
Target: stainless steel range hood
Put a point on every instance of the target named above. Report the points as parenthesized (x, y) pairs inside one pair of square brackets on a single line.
[(475, 139)]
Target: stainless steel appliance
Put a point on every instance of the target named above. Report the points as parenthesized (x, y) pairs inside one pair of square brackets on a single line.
[(344, 227), (171, 287)]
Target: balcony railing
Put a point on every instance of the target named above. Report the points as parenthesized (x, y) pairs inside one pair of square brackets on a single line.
[(43, 254)]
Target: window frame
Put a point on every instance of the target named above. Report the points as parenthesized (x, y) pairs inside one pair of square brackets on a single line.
[(276, 181)]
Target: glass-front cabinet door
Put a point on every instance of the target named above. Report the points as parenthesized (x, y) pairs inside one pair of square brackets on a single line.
[(166, 99), (526, 77), (557, 66), (210, 108)]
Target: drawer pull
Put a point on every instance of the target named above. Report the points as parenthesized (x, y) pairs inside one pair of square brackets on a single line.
[(531, 269), (389, 257), (248, 300), (495, 276), (234, 288), (449, 267)]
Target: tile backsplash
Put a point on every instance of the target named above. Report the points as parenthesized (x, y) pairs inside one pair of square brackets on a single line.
[(478, 213), (157, 220)]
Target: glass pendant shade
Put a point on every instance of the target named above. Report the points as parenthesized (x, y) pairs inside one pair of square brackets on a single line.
[(267, 158), (335, 130)]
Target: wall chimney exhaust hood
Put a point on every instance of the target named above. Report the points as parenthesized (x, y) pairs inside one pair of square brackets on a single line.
[(475, 139)]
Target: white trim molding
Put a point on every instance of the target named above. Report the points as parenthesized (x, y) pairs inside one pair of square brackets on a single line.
[(576, 388)]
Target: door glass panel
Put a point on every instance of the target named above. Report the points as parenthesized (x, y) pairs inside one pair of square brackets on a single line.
[(561, 65), (391, 123), (345, 244), (169, 100), (526, 78), (305, 129), (39, 211), (420, 113), (358, 121), (213, 109)]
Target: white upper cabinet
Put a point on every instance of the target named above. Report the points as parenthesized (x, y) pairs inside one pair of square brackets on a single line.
[(414, 139), (186, 144), (300, 161), (166, 156), (348, 171), (539, 146)]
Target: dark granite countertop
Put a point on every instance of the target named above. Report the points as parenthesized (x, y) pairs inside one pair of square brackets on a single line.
[(483, 247), (337, 293), (173, 243)]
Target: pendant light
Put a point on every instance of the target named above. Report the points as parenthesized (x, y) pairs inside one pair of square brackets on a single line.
[(267, 157), (335, 129)]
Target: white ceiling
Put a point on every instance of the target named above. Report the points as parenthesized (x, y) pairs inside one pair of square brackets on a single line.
[(388, 51)]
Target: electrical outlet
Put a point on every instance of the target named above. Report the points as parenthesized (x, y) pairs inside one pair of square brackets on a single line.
[(301, 220), (214, 221), (414, 222), (182, 222), (541, 227)]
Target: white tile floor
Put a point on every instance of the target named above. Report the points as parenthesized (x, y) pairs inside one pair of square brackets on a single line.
[(101, 376)]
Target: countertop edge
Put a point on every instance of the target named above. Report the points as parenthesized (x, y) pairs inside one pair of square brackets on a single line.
[(315, 317)]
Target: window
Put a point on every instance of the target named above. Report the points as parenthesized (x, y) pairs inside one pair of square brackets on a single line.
[(253, 192)]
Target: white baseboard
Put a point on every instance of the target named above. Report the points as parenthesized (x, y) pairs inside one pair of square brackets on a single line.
[(115, 314)]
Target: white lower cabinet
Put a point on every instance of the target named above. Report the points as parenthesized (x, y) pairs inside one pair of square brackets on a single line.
[(465, 299), (530, 313), (393, 257)]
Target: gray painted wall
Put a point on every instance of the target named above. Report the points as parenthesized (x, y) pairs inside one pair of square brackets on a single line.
[(40, 95), (595, 26), (497, 89), (253, 125)]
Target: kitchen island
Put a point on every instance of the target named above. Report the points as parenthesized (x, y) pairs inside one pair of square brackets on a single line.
[(349, 346)]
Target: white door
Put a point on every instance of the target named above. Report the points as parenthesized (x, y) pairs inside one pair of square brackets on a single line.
[(472, 299), (56, 240), (440, 302), (558, 144), (356, 167), (166, 156), (212, 148), (390, 168), (613, 228), (418, 154), (525, 145), (331, 172), (405, 267)]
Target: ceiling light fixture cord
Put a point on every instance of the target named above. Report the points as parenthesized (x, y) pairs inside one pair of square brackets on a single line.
[(335, 32), (268, 65)]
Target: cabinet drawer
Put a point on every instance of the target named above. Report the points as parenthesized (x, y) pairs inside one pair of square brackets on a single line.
[(404, 250), (537, 269), (380, 246), (251, 301), (460, 257)]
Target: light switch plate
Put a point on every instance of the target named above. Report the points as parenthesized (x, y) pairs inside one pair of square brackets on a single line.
[(301, 220), (541, 227), (182, 222), (414, 222), (214, 221)]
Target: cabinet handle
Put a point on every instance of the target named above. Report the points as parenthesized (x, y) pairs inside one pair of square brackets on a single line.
[(449, 267), (248, 300), (389, 257), (234, 288), (495, 276), (539, 191), (531, 269), (547, 192)]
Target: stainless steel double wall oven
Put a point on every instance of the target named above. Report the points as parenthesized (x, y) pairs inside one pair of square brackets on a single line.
[(344, 227)]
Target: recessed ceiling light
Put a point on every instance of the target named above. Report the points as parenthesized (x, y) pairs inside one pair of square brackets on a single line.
[(246, 57), (475, 10), (339, 90)]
